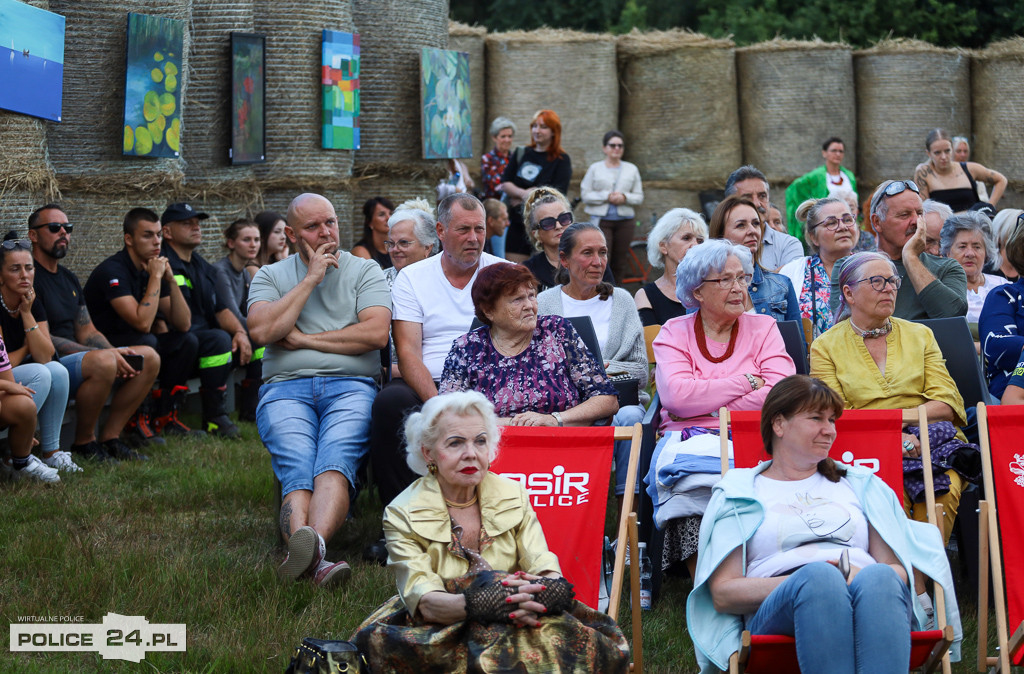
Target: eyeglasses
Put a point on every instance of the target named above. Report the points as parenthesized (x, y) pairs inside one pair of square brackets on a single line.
[(880, 282), (14, 244), (401, 244), (547, 224), (727, 282), (55, 227), (831, 223)]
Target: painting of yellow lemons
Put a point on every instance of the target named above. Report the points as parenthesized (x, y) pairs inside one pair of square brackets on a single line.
[(152, 90)]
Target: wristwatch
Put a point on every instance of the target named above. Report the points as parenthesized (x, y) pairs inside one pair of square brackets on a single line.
[(558, 418)]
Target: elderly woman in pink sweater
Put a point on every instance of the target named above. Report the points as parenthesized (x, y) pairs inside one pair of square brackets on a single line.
[(718, 356)]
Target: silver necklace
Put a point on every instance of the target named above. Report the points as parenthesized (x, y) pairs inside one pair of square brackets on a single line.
[(877, 332), (4, 305)]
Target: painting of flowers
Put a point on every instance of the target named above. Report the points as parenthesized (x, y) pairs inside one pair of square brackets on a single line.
[(31, 60), (339, 77), (152, 92), (444, 86), (248, 86)]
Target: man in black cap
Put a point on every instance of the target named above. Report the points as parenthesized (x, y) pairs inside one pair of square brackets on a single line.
[(218, 330)]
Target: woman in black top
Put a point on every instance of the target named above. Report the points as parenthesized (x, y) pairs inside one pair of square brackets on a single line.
[(953, 183), (376, 212), (676, 232), (541, 163)]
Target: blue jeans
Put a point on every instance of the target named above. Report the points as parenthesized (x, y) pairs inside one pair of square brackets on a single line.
[(626, 416), (840, 628), (50, 383), (315, 424)]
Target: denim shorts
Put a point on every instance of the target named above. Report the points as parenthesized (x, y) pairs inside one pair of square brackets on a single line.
[(313, 425), (73, 363)]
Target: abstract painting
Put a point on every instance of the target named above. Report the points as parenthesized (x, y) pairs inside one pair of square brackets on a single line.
[(444, 86), (152, 90), (31, 60), (340, 80), (248, 88)]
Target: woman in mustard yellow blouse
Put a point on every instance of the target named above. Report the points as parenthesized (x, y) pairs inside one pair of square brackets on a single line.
[(472, 564), (876, 361)]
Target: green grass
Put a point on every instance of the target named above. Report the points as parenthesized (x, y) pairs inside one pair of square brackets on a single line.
[(189, 537)]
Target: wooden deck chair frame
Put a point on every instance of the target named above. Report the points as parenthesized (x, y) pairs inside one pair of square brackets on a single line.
[(990, 557), (935, 656)]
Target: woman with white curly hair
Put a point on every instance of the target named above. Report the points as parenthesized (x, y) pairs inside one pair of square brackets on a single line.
[(676, 232), (412, 236)]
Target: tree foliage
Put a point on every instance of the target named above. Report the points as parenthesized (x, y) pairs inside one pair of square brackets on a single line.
[(861, 23)]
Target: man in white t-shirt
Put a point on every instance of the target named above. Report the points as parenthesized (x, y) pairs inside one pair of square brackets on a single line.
[(432, 307)]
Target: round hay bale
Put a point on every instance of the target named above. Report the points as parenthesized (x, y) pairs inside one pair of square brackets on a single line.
[(392, 34), (294, 116), (904, 89), (471, 39), (206, 111), (997, 84), (794, 95), (24, 164), (15, 206), (87, 144), (572, 73), (677, 133)]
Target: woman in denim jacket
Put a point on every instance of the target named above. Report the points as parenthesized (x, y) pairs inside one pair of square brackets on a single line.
[(736, 219)]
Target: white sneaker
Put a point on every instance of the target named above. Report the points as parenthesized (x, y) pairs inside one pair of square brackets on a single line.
[(62, 461), (36, 470)]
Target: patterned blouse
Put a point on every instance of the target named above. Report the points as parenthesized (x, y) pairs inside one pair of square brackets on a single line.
[(5, 362), (816, 281), (554, 373), (492, 165)]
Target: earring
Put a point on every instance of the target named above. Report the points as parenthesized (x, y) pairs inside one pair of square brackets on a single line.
[(432, 468)]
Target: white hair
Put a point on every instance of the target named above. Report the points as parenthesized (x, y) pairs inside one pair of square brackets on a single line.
[(424, 226), (703, 259), (666, 227), (423, 428)]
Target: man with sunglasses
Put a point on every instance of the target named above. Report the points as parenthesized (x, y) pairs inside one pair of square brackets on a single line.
[(933, 287), (92, 362), (218, 330)]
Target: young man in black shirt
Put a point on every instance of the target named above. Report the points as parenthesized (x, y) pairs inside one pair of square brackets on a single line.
[(92, 362), (133, 299)]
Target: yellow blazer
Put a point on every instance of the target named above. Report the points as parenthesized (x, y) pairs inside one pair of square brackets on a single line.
[(418, 531)]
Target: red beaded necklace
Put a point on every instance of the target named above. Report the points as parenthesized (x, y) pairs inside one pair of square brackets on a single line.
[(702, 341)]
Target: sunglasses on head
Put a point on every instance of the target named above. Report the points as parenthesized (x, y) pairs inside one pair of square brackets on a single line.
[(55, 227), (894, 188), (13, 244), (547, 224)]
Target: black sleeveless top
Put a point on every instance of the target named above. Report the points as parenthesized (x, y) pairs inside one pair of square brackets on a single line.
[(960, 198), (662, 308), (383, 259)]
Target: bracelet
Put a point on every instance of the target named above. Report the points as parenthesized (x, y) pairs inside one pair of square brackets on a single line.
[(34, 327), (753, 382), (558, 418)]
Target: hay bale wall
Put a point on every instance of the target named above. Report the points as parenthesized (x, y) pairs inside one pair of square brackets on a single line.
[(687, 133), (572, 73), (471, 39), (997, 83), (904, 89), (792, 96)]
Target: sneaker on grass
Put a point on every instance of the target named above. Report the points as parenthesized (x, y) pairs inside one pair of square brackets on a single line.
[(331, 574), (117, 449), (35, 470), (62, 461), (305, 552)]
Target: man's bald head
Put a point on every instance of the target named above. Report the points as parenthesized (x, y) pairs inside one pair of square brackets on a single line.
[(302, 201), (312, 223)]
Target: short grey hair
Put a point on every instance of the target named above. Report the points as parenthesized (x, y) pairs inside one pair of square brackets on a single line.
[(466, 202), (706, 258), (969, 221), (665, 229), (879, 200), (423, 428), (501, 123), (739, 175), (932, 206), (424, 226)]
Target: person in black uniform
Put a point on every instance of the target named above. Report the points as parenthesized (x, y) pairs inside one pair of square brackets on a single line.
[(133, 299), (218, 330)]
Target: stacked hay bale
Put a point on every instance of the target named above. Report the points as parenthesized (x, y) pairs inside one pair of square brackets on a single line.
[(97, 184), (26, 177), (471, 39), (794, 95), (679, 115), (997, 82), (904, 89), (390, 162), (572, 73)]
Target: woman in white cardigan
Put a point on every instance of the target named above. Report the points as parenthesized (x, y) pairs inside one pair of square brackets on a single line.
[(583, 256), (610, 189)]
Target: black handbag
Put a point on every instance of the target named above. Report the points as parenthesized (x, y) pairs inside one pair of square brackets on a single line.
[(318, 656)]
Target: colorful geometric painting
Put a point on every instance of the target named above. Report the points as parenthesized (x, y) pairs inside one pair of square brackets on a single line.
[(31, 60), (248, 88), (152, 90), (340, 79), (444, 85)]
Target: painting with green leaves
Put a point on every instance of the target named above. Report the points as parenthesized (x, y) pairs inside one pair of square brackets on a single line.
[(152, 90), (444, 86)]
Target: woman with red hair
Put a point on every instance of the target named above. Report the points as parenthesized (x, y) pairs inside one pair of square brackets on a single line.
[(542, 162)]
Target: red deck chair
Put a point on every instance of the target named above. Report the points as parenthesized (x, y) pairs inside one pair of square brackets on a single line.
[(1002, 512), (566, 471), (870, 438)]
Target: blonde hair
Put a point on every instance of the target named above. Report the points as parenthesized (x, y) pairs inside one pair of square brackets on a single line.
[(539, 197)]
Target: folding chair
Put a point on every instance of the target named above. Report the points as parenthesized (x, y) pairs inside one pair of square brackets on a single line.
[(566, 472), (1002, 511), (650, 334), (869, 438)]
